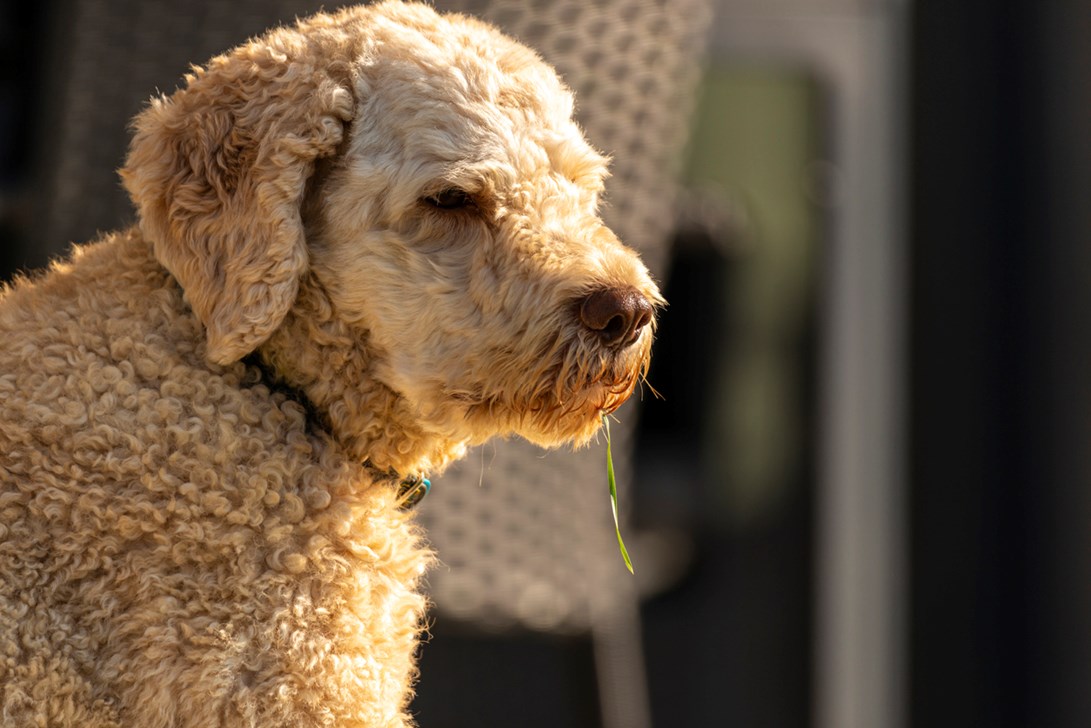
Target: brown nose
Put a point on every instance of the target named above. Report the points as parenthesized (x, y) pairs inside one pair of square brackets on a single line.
[(617, 315)]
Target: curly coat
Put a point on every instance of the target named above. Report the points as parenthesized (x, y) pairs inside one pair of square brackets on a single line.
[(204, 419)]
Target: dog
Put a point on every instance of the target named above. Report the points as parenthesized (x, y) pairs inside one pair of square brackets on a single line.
[(365, 243)]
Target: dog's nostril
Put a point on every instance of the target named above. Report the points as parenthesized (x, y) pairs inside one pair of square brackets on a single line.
[(617, 315)]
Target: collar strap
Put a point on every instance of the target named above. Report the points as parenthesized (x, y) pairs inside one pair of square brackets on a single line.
[(411, 490)]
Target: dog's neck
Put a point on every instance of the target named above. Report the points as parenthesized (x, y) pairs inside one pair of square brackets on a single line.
[(333, 366)]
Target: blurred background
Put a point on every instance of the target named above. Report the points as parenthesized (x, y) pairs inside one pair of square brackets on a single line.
[(863, 500)]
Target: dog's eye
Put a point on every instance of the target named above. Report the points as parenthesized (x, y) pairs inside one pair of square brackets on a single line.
[(450, 199)]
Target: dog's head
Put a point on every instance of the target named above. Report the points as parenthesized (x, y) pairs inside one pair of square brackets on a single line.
[(453, 221)]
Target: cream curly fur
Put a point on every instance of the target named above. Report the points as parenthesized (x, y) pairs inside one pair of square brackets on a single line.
[(197, 415)]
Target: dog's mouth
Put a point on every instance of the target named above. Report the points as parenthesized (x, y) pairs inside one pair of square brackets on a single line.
[(562, 401)]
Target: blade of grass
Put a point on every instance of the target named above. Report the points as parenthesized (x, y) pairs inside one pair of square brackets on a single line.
[(613, 493)]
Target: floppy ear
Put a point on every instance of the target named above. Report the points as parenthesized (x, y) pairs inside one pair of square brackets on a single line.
[(218, 171)]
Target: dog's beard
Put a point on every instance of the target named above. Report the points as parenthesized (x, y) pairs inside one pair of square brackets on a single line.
[(562, 399)]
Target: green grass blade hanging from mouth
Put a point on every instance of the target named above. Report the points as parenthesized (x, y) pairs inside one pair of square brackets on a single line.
[(613, 493)]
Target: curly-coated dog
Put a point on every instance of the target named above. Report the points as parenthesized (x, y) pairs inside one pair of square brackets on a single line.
[(365, 243)]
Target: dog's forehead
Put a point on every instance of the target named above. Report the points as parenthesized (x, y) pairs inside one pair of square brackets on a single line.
[(464, 64), (457, 91)]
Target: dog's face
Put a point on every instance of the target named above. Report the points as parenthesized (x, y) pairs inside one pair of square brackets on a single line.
[(461, 229), (454, 222)]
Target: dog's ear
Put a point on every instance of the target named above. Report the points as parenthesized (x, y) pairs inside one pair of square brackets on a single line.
[(218, 172)]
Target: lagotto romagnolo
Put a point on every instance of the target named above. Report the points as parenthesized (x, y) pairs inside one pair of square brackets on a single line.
[(366, 242)]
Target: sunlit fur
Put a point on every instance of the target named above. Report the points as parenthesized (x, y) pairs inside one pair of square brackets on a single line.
[(197, 413)]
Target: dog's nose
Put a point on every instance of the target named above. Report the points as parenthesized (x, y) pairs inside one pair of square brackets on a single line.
[(617, 315)]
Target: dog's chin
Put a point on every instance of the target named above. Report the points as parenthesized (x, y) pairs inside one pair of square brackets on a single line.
[(554, 417), (574, 427), (560, 403)]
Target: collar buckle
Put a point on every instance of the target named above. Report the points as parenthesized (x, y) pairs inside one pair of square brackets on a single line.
[(412, 490)]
